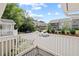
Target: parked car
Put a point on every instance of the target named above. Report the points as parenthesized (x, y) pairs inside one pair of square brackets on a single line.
[(42, 34)]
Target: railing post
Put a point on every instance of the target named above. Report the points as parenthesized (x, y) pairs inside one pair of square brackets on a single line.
[(22, 44), (6, 47), (9, 47), (2, 48), (18, 44), (13, 46), (16, 47)]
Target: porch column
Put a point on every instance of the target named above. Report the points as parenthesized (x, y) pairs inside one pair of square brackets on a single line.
[(24, 43)]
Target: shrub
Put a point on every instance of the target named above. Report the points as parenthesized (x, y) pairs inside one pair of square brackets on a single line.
[(63, 31), (76, 28), (72, 31), (53, 31), (49, 31)]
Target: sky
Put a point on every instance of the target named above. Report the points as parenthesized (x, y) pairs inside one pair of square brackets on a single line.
[(44, 11)]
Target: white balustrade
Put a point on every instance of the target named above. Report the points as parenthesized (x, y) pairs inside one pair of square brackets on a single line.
[(56, 44)]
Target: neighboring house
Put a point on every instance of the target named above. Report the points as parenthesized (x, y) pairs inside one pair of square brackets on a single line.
[(7, 27), (55, 24), (60, 23), (70, 10), (65, 23), (40, 25), (7, 33), (75, 20)]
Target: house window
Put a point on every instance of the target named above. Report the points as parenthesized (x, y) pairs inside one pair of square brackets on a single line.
[(75, 26), (0, 26)]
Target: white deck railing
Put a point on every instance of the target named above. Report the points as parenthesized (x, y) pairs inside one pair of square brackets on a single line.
[(13, 45), (54, 44), (61, 45)]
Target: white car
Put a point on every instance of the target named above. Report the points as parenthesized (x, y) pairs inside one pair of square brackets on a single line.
[(44, 34)]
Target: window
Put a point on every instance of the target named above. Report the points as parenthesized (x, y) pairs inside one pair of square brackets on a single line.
[(75, 26)]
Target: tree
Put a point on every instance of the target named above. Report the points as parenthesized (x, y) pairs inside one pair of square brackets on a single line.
[(13, 12), (28, 25), (49, 28)]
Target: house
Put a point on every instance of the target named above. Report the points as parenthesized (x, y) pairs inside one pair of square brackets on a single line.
[(40, 25), (70, 8), (55, 24), (60, 23), (7, 27), (69, 23)]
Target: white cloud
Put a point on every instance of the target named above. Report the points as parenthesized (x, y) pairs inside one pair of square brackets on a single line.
[(38, 4), (59, 6), (56, 13), (36, 8), (34, 4), (29, 11), (42, 4), (37, 15), (25, 3), (49, 13), (32, 14), (20, 4)]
